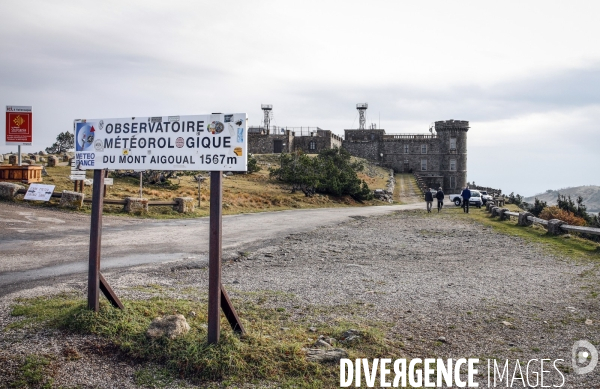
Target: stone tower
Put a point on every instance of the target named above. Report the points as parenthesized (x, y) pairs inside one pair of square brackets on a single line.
[(452, 135)]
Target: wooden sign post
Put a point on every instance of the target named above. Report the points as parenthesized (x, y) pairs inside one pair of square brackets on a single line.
[(217, 295), (213, 142), (96, 281), (218, 299)]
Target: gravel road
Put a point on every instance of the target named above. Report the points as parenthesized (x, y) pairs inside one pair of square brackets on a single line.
[(38, 243), (448, 287)]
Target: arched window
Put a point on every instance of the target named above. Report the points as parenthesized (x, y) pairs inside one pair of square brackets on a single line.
[(312, 145)]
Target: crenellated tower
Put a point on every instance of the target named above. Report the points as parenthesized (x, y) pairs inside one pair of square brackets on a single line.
[(452, 135)]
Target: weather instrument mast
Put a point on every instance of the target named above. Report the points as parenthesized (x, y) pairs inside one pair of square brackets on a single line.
[(362, 108), (267, 108)]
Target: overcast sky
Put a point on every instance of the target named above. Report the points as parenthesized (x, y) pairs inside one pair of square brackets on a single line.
[(525, 74)]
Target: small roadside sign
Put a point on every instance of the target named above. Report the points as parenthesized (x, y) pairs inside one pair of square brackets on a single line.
[(18, 125), (39, 192), (76, 174), (107, 181)]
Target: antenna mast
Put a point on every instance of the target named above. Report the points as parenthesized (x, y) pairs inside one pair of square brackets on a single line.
[(267, 108), (362, 107)]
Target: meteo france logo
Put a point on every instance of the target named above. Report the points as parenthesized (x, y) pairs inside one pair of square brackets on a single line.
[(84, 137)]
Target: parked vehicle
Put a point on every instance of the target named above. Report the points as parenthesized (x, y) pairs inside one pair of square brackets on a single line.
[(476, 199), (485, 197), (456, 199)]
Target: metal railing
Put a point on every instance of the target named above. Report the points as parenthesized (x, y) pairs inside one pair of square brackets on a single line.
[(275, 130), (408, 136)]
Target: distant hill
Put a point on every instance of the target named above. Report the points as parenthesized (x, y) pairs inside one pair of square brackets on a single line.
[(589, 193)]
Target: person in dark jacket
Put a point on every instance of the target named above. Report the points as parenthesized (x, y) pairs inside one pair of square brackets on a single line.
[(440, 198), (429, 200), (466, 195)]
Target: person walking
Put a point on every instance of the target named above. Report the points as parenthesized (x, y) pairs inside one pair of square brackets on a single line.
[(429, 200), (466, 195), (440, 198)]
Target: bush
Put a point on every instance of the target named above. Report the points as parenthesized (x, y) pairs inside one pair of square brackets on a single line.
[(517, 200), (565, 203), (538, 207), (554, 212), (252, 165), (332, 172), (299, 171), (337, 175)]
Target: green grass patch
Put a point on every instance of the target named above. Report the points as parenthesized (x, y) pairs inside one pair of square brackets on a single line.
[(570, 246), (34, 373), (153, 377), (271, 352)]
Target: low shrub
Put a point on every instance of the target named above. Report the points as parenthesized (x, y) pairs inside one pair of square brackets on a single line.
[(554, 212)]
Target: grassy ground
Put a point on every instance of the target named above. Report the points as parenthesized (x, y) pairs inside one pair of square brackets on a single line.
[(243, 193), (271, 352), (568, 245)]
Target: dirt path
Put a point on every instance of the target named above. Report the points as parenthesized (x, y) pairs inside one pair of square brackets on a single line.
[(408, 192)]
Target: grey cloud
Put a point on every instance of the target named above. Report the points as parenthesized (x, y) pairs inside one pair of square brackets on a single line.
[(538, 93)]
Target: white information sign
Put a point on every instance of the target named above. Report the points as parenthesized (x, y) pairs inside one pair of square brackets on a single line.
[(195, 142), (76, 175), (107, 181), (39, 192)]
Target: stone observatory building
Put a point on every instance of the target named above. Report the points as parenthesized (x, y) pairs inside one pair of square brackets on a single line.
[(439, 158)]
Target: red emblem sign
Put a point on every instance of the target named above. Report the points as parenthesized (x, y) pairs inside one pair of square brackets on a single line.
[(18, 125)]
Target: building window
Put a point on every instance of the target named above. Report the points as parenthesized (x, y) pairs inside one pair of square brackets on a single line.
[(453, 165), (312, 145), (405, 149), (423, 149), (452, 182), (423, 164), (452, 143)]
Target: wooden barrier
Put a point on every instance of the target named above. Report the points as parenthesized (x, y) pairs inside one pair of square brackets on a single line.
[(112, 201), (564, 227)]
